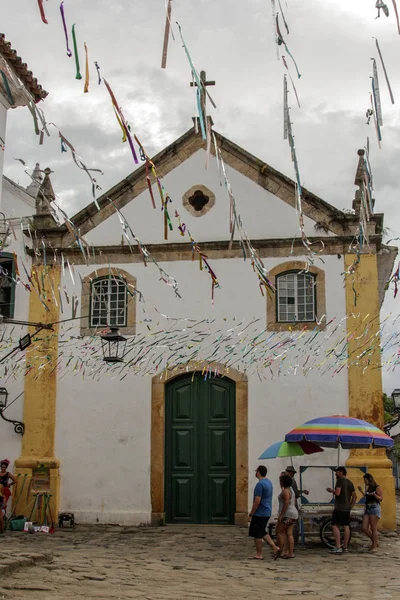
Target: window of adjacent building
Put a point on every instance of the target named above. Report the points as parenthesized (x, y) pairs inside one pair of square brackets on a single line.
[(296, 297), (7, 285), (109, 302)]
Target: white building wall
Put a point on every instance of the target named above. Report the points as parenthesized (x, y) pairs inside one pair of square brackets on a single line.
[(15, 204), (103, 427), (263, 214)]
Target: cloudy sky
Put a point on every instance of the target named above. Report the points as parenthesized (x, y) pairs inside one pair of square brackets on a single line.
[(331, 40)]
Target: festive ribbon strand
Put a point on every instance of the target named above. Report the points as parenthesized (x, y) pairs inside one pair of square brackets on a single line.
[(86, 88), (98, 72), (41, 8), (377, 95), (200, 87), (397, 15), (283, 17), (79, 163), (384, 70), (122, 121), (166, 35), (69, 53), (78, 74), (7, 88), (291, 80)]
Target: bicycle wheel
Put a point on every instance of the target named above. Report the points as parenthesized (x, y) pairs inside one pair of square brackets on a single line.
[(326, 534)]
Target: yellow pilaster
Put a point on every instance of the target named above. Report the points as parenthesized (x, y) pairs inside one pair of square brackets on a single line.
[(364, 375), (40, 394)]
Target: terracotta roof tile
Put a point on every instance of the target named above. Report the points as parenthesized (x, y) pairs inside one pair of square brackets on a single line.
[(21, 69)]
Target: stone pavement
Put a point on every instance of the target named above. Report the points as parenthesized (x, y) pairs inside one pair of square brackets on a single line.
[(187, 563)]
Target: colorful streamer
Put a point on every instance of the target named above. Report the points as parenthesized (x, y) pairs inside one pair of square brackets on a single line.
[(98, 72), (376, 94), (7, 88), (121, 121), (291, 80), (86, 88), (41, 9), (78, 73), (384, 70), (166, 35), (397, 15), (69, 53)]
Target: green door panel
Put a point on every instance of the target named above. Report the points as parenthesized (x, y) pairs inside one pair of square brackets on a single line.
[(200, 450)]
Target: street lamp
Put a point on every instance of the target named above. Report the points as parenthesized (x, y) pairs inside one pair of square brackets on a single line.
[(113, 345), (396, 400)]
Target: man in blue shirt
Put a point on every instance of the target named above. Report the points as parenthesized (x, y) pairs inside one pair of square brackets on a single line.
[(261, 513)]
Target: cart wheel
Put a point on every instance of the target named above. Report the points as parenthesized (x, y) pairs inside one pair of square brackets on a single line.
[(326, 534)]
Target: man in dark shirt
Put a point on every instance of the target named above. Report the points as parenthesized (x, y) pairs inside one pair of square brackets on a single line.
[(345, 498)]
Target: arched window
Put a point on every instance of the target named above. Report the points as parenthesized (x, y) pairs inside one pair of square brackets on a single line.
[(108, 298), (299, 299), (109, 302), (296, 297)]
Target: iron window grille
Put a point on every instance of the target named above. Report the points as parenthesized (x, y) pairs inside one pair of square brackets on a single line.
[(109, 302), (296, 297), (7, 285)]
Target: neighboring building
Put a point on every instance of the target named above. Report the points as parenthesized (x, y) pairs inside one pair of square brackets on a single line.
[(18, 87), (175, 446)]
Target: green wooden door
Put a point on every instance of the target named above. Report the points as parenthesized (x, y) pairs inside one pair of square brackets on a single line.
[(200, 450)]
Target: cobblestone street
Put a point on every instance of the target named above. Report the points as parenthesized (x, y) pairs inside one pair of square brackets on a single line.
[(177, 562)]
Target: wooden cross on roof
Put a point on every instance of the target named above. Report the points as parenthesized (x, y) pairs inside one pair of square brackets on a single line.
[(203, 92)]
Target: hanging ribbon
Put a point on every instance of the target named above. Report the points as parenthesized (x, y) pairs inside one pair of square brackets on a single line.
[(373, 105), (200, 87), (377, 95), (397, 15), (286, 117), (7, 88), (273, 7), (98, 72), (78, 161), (384, 70), (294, 62), (86, 88), (381, 6), (283, 17), (291, 80), (69, 53), (166, 35), (40, 3), (78, 74), (125, 127)]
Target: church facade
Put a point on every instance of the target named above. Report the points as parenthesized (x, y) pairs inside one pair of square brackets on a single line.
[(179, 444)]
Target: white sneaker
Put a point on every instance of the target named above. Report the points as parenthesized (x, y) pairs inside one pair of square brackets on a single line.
[(336, 551)]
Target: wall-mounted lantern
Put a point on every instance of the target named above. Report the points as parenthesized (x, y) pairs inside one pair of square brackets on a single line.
[(113, 345)]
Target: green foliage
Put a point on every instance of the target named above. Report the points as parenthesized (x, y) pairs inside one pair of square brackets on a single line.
[(387, 407)]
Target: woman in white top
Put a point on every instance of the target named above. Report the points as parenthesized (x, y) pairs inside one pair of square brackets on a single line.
[(287, 517)]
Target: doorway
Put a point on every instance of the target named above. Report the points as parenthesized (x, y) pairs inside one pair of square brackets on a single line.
[(200, 450)]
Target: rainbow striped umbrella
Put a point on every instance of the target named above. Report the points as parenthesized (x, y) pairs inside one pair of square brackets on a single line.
[(340, 431)]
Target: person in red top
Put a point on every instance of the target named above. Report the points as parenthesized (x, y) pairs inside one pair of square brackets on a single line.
[(5, 477)]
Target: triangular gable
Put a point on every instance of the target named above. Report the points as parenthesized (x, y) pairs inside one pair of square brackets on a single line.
[(324, 214)]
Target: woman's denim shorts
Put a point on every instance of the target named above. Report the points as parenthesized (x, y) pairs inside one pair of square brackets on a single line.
[(373, 509)]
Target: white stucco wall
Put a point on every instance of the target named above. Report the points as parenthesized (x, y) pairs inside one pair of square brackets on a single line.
[(14, 206), (263, 214), (103, 427)]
